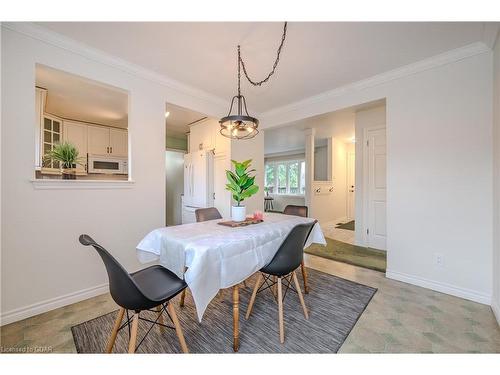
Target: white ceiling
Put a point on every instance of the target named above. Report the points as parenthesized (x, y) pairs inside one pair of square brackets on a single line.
[(73, 97), (179, 118), (317, 57)]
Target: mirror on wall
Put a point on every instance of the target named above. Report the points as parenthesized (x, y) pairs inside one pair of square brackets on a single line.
[(322, 159)]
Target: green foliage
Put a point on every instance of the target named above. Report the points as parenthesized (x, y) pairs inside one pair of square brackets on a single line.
[(240, 183), (65, 153)]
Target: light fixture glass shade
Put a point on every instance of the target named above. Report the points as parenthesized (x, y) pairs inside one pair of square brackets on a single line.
[(239, 126)]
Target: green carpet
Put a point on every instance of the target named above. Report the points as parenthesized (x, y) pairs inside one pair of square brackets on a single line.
[(351, 254), (348, 226)]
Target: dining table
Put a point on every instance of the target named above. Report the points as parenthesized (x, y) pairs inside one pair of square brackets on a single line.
[(211, 257)]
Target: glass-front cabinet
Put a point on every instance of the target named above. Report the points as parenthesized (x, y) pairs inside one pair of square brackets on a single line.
[(51, 134)]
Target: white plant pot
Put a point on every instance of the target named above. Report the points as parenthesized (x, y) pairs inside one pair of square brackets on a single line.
[(238, 213)]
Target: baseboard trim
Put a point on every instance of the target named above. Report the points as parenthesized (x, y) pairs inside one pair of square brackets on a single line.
[(495, 306), (468, 294), (51, 304)]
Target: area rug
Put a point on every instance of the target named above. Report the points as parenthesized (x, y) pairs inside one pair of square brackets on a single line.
[(356, 255), (349, 225), (334, 304)]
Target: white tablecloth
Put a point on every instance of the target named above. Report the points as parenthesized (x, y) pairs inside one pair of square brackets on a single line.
[(218, 256)]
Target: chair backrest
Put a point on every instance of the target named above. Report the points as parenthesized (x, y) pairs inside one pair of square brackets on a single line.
[(291, 252), (295, 210), (205, 214), (122, 287)]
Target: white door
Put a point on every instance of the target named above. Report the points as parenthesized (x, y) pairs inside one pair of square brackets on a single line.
[(98, 141), (350, 185), (174, 167), (376, 188), (76, 133), (188, 186), (222, 197), (118, 142), (199, 178)]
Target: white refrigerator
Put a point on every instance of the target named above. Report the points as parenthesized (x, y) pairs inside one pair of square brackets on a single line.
[(198, 183)]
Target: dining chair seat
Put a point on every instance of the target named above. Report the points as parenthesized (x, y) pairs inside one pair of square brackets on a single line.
[(158, 284)]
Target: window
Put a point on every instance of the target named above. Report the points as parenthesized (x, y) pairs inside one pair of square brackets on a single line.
[(285, 177)]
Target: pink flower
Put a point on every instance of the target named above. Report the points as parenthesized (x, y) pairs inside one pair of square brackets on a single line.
[(258, 215)]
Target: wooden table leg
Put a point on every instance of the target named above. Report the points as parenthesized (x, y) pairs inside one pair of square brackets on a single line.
[(236, 318), (183, 293)]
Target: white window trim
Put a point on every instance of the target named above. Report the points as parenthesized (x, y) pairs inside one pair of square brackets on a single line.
[(275, 164), (56, 184)]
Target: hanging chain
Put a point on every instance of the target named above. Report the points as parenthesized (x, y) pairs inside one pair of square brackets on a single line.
[(259, 83)]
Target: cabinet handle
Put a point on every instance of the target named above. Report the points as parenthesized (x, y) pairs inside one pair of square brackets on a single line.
[(111, 150), (107, 150)]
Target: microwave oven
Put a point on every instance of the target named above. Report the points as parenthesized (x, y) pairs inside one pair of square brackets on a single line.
[(107, 164)]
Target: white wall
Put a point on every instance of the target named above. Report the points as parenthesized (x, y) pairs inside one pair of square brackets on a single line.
[(439, 171), (43, 265), (364, 119), (496, 181)]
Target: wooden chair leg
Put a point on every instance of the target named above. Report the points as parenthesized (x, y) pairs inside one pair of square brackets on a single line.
[(133, 333), (159, 309), (280, 311), (304, 277), (178, 328), (299, 292), (254, 294), (275, 286), (112, 338)]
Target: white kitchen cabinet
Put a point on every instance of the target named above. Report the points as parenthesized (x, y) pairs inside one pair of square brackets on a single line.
[(77, 134), (107, 141), (98, 140), (118, 142)]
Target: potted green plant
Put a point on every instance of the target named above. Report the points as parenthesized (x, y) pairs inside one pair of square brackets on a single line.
[(67, 155), (241, 185)]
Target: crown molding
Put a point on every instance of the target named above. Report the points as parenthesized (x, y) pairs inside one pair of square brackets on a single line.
[(50, 37), (404, 71)]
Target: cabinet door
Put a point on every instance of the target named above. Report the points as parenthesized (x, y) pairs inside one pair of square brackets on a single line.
[(98, 140), (76, 133), (118, 142)]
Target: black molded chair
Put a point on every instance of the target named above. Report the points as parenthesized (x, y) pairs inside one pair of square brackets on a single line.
[(292, 209), (299, 211), (152, 287), (282, 267), (205, 214)]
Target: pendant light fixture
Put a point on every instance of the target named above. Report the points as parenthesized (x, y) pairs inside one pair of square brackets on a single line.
[(241, 125)]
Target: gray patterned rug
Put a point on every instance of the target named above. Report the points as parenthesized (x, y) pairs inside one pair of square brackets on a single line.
[(334, 304)]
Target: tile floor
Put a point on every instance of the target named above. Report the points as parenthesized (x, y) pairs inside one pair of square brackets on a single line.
[(400, 318), (343, 235)]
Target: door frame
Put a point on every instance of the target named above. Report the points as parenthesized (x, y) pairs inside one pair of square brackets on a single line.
[(366, 165), (181, 152), (350, 172)]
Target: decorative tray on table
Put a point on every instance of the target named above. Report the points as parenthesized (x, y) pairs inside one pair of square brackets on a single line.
[(234, 224)]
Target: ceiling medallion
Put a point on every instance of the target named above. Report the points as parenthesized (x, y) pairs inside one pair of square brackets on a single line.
[(241, 125)]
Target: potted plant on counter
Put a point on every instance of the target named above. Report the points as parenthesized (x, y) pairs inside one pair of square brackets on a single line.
[(241, 185), (67, 155)]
